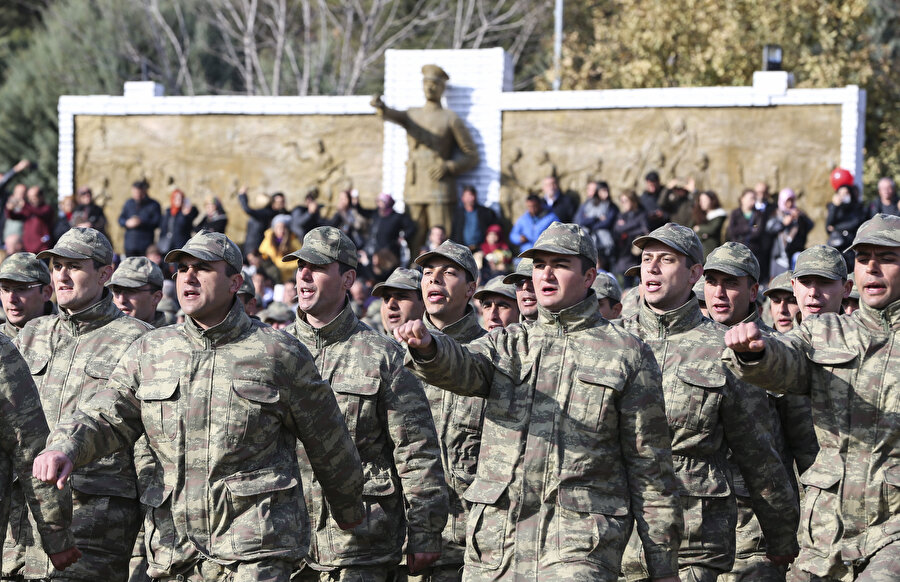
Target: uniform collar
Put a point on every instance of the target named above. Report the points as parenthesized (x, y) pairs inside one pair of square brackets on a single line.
[(887, 319), (675, 321), (465, 329), (91, 318), (336, 330), (580, 316), (226, 331)]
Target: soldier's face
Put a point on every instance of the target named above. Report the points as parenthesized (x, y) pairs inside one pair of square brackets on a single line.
[(608, 309), (445, 289), (877, 274), (205, 291), (78, 283), (729, 298), (498, 311), (399, 306), (526, 299), (559, 281), (820, 295), (322, 289), (23, 301), (138, 302), (783, 308), (666, 279)]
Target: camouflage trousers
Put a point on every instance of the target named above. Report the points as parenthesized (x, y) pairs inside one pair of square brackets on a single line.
[(688, 574), (754, 568), (262, 571), (137, 567), (445, 573), (18, 535), (348, 574), (884, 566)]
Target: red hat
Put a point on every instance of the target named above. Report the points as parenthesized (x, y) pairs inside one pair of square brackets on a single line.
[(841, 177)]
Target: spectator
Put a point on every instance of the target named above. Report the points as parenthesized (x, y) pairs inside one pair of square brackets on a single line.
[(747, 225), (259, 219), (470, 220), (15, 201), (258, 262), (13, 244), (37, 220), (653, 190), (214, 218), (563, 206), (64, 217), (277, 242), (598, 214), (496, 255), (307, 216), (676, 203), (788, 227), (530, 225), (264, 286), (436, 236), (87, 214), (845, 214), (178, 223), (632, 223), (763, 199), (388, 227), (140, 218), (708, 218), (886, 203), (5, 179), (350, 218)]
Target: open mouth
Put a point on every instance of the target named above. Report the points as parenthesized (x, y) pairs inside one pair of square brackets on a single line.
[(435, 297), (651, 286)]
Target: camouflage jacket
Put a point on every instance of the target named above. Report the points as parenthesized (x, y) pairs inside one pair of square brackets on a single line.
[(458, 420), (708, 412), (11, 331), (222, 409), (23, 433), (387, 415), (573, 428), (848, 366)]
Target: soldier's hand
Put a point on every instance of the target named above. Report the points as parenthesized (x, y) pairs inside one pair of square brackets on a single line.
[(437, 172), (421, 560), (52, 466), (350, 525), (416, 336), (781, 560), (745, 337), (64, 559)]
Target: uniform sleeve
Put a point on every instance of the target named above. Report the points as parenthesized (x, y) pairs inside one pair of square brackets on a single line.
[(23, 433), (647, 450), (795, 412), (417, 457), (467, 371), (783, 366)]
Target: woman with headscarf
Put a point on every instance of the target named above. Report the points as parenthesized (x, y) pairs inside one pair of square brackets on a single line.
[(277, 242), (789, 227)]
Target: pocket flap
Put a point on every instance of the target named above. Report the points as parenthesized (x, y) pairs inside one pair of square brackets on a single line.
[(37, 364), (821, 475), (702, 479), (484, 491), (156, 390), (156, 495), (703, 374), (360, 385), (106, 485), (587, 500), (256, 391), (831, 356), (892, 475), (603, 378), (259, 482), (101, 369), (379, 486)]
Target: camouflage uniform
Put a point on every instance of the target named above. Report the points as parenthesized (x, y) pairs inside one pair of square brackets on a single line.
[(847, 364), (387, 415), (523, 272), (605, 285), (399, 279), (24, 268), (708, 412), (222, 409), (71, 356), (574, 450)]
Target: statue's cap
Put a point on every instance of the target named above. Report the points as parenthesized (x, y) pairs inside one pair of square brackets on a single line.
[(435, 72)]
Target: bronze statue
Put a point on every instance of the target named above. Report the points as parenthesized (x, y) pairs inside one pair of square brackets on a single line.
[(433, 133)]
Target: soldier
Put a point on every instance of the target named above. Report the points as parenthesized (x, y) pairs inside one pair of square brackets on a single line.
[(709, 412), (25, 291), (401, 298), (388, 417), (609, 296), (851, 303), (820, 281), (847, 365), (782, 304), (732, 273), (137, 290), (699, 290), (498, 303), (222, 400), (525, 297), (70, 356), (247, 296), (279, 315), (575, 449)]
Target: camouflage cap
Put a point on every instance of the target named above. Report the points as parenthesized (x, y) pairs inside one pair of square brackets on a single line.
[(854, 291), (326, 244), (459, 254), (605, 285), (523, 271), (780, 282), (136, 272), (735, 259), (699, 289), (81, 243), (681, 238), (24, 268), (278, 312), (409, 279), (821, 261), (168, 305), (633, 271), (496, 286), (209, 246), (564, 239), (247, 288), (882, 230)]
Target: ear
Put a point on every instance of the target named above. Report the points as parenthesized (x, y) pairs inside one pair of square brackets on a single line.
[(236, 282), (47, 291), (106, 272), (349, 278), (470, 289), (157, 297), (696, 273), (754, 292), (848, 287), (617, 310), (589, 277)]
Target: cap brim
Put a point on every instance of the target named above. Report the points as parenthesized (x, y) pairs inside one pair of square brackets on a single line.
[(479, 294), (20, 278), (425, 257), (548, 248), (308, 256), (727, 269), (173, 256), (514, 278), (816, 273), (771, 290), (641, 241), (64, 253), (634, 271), (126, 282), (377, 289), (879, 241)]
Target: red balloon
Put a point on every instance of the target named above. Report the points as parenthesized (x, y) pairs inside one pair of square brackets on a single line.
[(841, 177)]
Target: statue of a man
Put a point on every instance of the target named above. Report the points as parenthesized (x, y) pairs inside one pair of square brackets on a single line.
[(434, 134)]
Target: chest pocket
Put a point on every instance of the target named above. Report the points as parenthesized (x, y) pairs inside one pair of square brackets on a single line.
[(593, 399), (693, 399), (99, 372), (357, 397), (247, 403), (159, 409), (837, 367), (37, 365)]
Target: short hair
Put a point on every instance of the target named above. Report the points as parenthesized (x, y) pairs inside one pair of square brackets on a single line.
[(586, 264), (533, 198), (470, 188), (344, 267)]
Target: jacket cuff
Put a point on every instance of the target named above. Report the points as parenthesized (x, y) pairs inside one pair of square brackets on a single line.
[(421, 542), (57, 541), (661, 562)]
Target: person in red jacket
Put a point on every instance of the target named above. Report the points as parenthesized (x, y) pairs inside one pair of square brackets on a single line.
[(38, 220)]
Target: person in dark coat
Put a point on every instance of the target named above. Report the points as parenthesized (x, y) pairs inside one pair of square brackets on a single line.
[(259, 219), (632, 223), (140, 217), (178, 222), (471, 220), (387, 225), (562, 205), (747, 225)]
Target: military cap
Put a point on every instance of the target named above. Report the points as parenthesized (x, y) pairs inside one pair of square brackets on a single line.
[(247, 288), (605, 285), (323, 245), (681, 238), (459, 254), (523, 271), (435, 72), (564, 239), (81, 243), (699, 289), (497, 286), (735, 259), (168, 305), (409, 279), (24, 268), (633, 271), (278, 312), (854, 291), (821, 261), (780, 282), (136, 272), (209, 246), (882, 230)]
